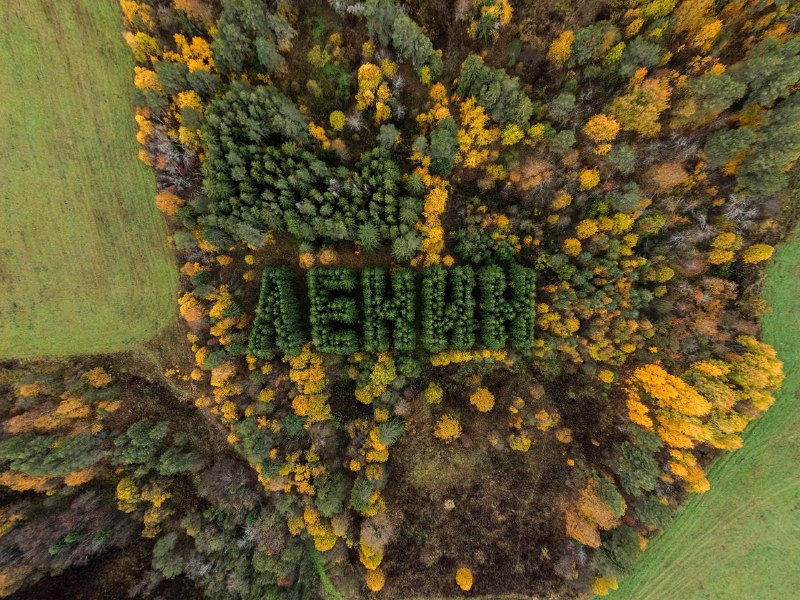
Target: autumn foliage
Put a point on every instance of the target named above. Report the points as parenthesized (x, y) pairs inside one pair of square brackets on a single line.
[(433, 300)]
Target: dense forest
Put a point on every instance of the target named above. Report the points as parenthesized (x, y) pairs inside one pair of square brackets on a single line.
[(630, 164)]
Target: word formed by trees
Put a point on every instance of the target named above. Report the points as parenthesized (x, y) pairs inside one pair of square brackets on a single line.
[(494, 306)]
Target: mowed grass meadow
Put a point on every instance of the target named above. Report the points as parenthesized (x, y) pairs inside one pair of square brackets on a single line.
[(741, 540), (84, 264)]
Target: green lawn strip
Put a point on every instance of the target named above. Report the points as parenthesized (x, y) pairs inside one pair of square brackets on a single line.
[(741, 540), (84, 264), (492, 597), (327, 585)]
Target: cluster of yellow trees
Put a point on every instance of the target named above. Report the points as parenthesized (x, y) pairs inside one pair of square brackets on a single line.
[(62, 416), (711, 404)]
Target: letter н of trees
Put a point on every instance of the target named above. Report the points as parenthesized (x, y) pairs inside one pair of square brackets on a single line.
[(277, 323), (330, 310), (379, 309), (507, 306), (447, 319)]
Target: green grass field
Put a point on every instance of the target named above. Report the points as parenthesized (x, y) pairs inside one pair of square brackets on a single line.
[(84, 265), (741, 540)]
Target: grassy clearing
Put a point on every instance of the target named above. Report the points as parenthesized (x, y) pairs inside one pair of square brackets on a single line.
[(83, 260), (741, 540)]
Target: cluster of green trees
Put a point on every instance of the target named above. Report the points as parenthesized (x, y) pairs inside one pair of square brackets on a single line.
[(507, 317), (249, 32), (763, 80), (260, 177), (333, 311), (141, 448), (387, 23), (441, 147), (481, 244), (635, 463), (493, 89), (41, 455)]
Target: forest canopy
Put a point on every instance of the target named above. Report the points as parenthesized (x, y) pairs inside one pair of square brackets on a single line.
[(469, 295)]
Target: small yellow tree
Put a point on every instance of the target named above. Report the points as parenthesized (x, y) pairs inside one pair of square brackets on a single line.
[(601, 128), (169, 203), (375, 580), (640, 108), (561, 48), (758, 253), (464, 578), (482, 399), (447, 428)]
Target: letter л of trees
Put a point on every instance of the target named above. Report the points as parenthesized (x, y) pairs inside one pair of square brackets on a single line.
[(277, 323)]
